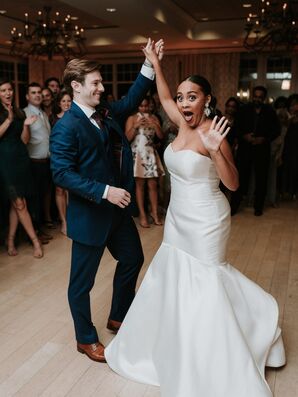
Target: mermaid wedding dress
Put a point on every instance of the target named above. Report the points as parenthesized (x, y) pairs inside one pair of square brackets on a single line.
[(197, 326)]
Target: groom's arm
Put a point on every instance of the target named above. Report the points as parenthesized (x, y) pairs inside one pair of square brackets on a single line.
[(129, 103), (64, 163)]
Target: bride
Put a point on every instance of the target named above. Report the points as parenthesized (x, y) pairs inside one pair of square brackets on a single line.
[(197, 327)]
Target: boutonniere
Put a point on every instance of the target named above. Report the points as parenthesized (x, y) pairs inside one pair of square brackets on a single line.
[(104, 113)]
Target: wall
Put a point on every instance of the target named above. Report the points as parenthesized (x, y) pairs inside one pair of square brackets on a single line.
[(221, 69), (40, 70)]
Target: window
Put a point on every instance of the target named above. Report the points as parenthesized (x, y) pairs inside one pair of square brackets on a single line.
[(22, 81), (126, 75), (248, 75), (248, 69), (278, 76), (7, 70), (128, 72), (278, 68), (118, 77), (18, 74), (106, 72)]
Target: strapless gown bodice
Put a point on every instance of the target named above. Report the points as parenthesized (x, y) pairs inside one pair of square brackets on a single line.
[(197, 326), (198, 217)]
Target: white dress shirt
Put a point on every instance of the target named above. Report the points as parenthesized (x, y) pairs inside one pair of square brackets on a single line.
[(38, 145), (148, 72)]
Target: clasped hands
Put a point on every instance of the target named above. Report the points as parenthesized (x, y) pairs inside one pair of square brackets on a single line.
[(115, 195), (153, 51)]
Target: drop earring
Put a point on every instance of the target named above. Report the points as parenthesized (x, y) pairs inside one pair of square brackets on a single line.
[(207, 110)]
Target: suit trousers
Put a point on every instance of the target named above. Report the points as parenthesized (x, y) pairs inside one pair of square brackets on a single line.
[(254, 160), (124, 244)]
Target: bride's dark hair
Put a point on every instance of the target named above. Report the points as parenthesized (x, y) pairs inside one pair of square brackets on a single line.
[(200, 81), (206, 89)]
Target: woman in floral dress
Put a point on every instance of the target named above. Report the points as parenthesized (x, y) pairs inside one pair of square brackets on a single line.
[(141, 129)]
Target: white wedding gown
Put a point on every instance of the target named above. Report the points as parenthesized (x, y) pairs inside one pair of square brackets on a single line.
[(197, 326)]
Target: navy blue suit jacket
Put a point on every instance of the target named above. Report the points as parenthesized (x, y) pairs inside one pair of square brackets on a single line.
[(80, 164)]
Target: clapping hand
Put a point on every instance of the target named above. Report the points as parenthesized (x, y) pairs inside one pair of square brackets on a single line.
[(213, 138), (10, 112), (30, 120)]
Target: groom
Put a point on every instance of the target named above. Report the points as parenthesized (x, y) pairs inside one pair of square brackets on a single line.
[(91, 158)]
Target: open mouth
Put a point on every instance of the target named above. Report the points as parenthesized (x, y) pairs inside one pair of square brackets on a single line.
[(188, 116)]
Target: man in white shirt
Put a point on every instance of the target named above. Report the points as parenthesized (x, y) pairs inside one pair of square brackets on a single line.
[(38, 148)]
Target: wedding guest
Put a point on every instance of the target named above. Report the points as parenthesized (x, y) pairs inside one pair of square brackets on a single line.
[(38, 148), (274, 187), (290, 152), (15, 169), (110, 98), (47, 101), (257, 126), (140, 129), (63, 102), (232, 106), (54, 85)]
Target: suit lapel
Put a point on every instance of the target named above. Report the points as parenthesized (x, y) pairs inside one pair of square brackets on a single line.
[(88, 127)]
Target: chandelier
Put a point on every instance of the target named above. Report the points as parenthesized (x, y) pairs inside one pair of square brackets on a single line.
[(48, 36), (274, 27)]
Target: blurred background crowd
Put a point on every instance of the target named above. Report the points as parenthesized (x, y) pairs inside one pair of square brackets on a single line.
[(263, 139)]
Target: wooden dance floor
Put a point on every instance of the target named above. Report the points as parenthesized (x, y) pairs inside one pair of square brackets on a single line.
[(38, 354)]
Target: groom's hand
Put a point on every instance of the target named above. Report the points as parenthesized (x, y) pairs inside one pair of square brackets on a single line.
[(118, 197)]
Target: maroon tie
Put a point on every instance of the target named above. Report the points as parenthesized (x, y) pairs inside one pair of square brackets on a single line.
[(97, 117)]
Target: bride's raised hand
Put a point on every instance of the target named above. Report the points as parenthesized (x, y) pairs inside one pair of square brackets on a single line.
[(213, 138), (159, 49), (153, 51)]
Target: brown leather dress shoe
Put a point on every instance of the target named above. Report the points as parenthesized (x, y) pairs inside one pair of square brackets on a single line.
[(114, 326), (95, 351)]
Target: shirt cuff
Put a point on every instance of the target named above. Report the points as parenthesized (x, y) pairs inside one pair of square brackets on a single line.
[(148, 72), (105, 193)]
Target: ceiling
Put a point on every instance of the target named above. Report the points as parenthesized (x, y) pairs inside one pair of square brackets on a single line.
[(183, 24)]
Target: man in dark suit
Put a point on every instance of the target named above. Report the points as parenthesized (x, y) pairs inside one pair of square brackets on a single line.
[(256, 126), (91, 158)]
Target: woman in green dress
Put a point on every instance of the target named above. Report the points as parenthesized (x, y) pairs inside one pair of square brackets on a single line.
[(15, 168)]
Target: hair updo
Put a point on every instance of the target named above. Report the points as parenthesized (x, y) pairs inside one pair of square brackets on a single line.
[(200, 81)]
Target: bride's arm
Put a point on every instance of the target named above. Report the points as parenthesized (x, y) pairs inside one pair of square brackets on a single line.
[(226, 169), (219, 149), (163, 90)]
